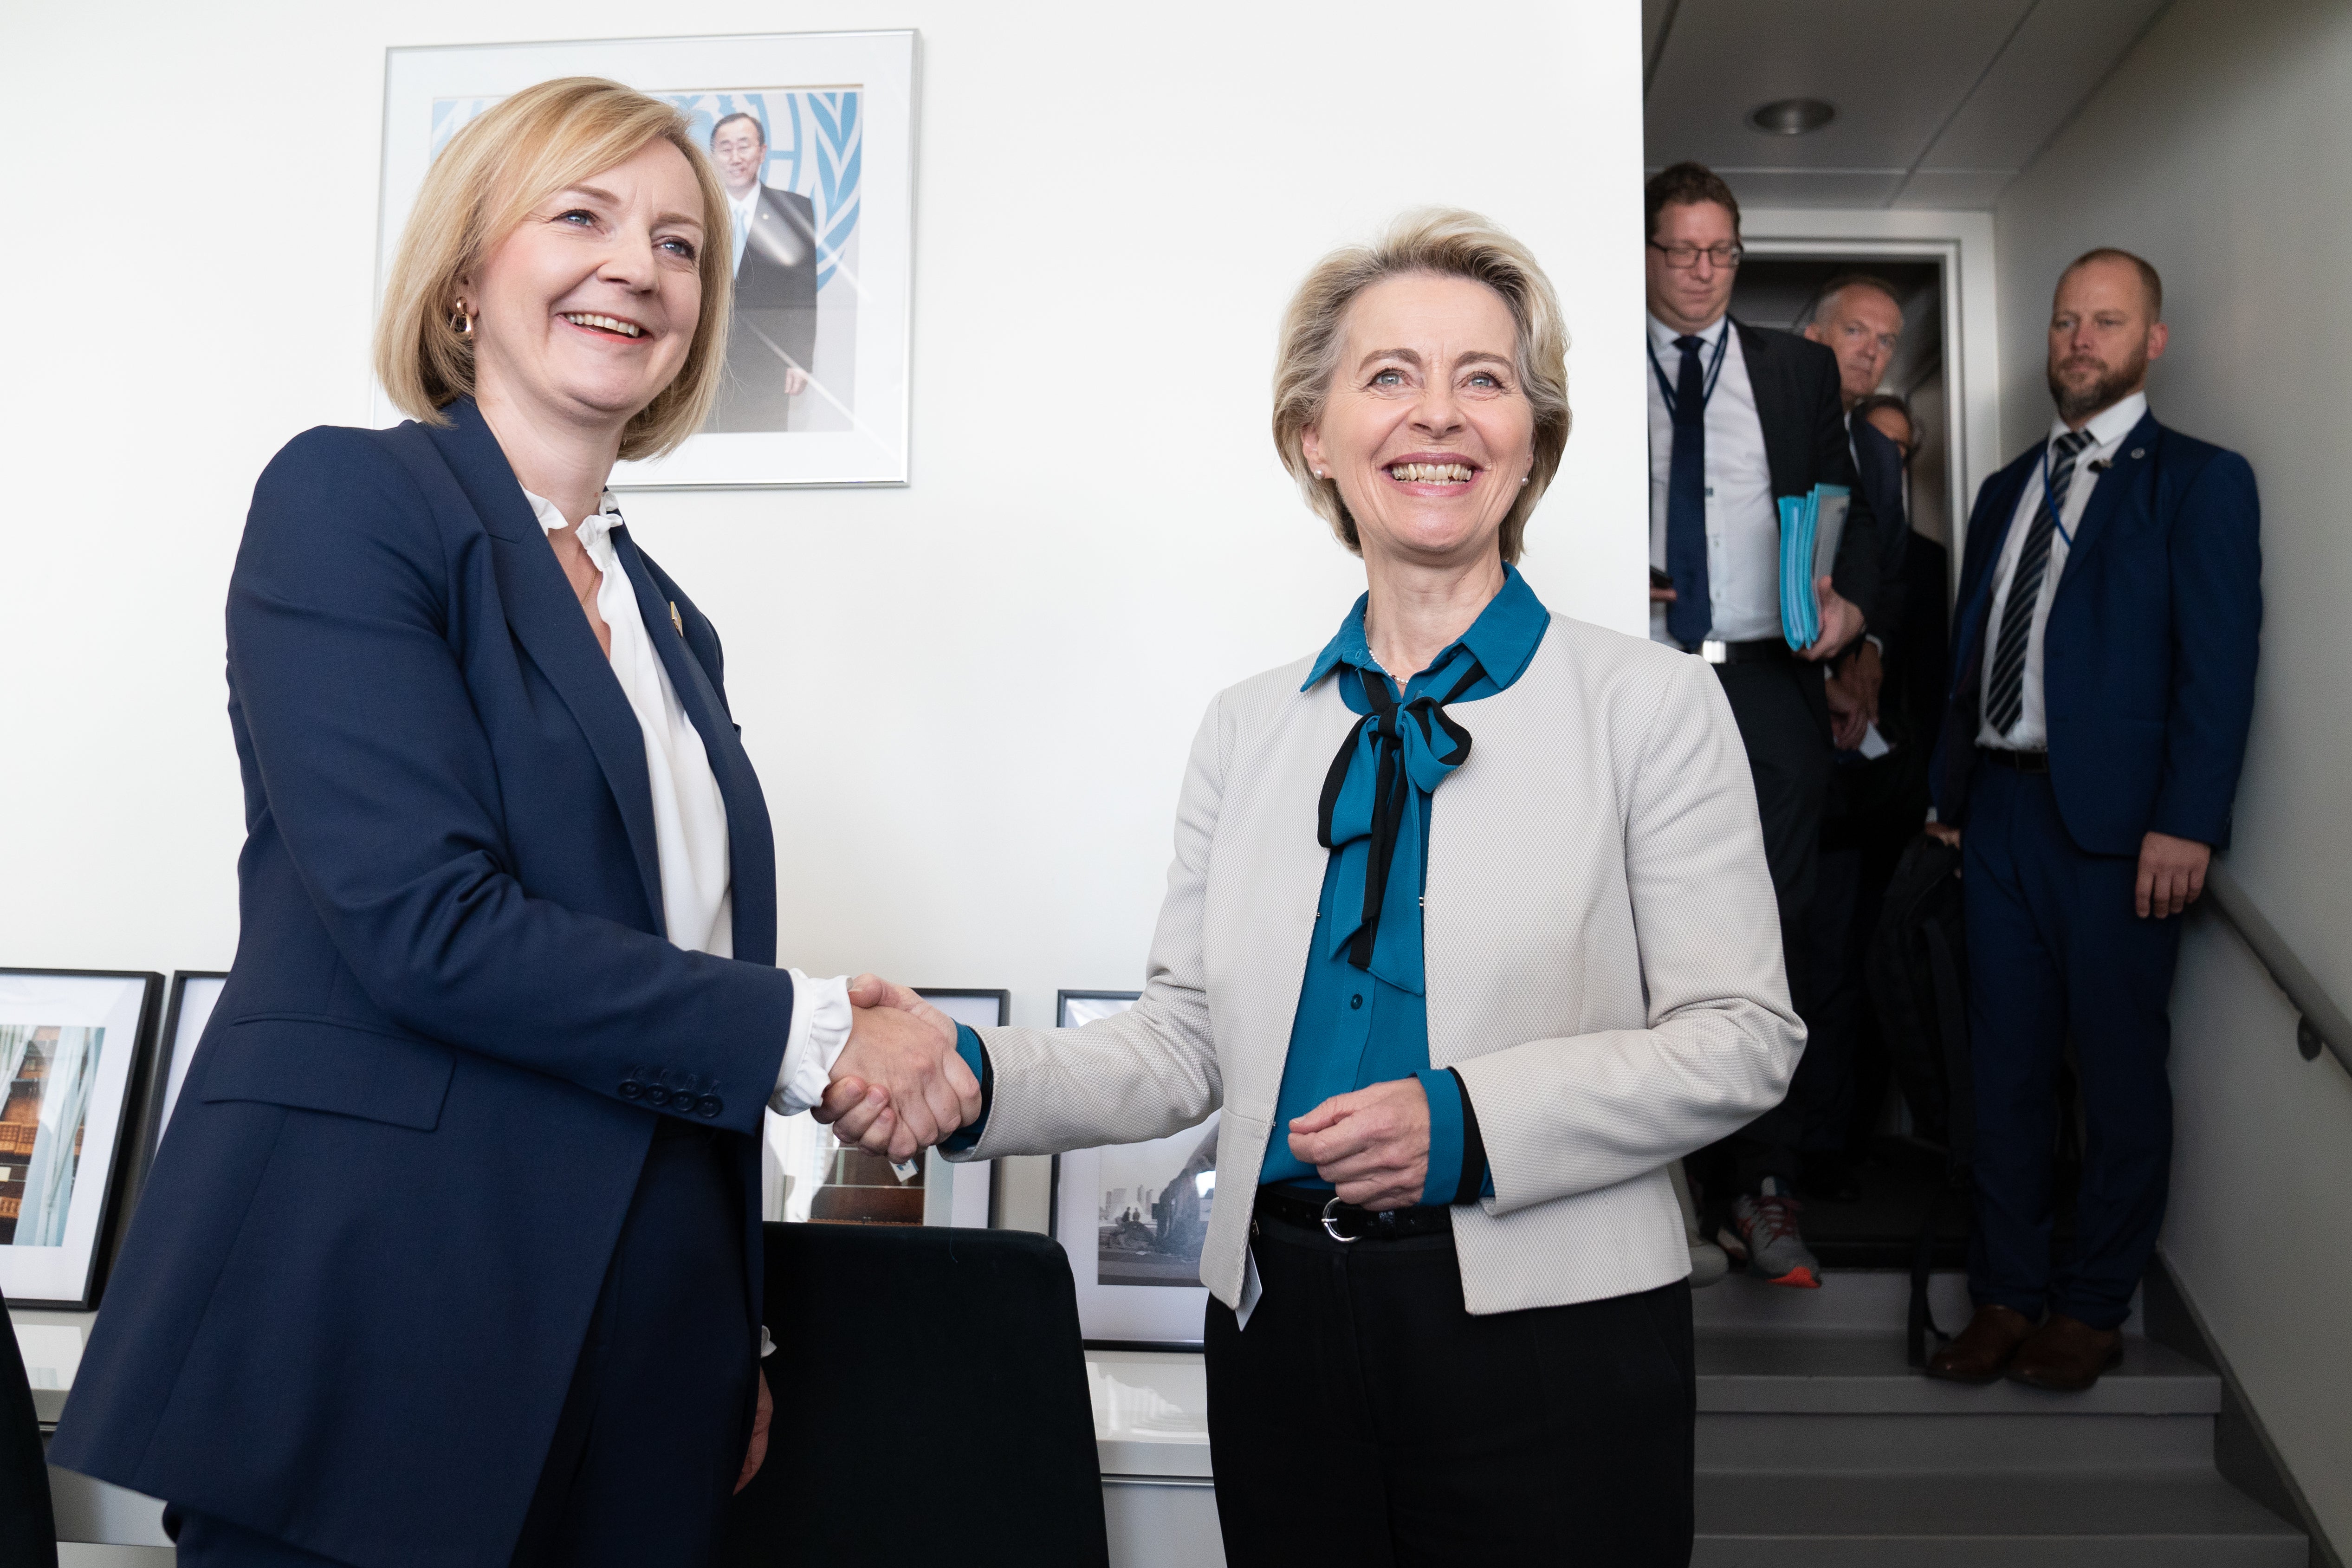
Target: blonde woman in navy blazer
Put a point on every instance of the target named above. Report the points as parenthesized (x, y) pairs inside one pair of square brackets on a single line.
[(451, 1254)]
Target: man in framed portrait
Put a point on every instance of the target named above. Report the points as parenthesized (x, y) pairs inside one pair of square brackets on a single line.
[(772, 340)]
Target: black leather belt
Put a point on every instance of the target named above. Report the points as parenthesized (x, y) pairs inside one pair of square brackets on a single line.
[(2016, 762), (1763, 650), (1346, 1222)]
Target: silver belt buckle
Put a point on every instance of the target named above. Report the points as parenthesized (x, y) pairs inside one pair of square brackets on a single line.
[(1331, 1225), (1712, 650)]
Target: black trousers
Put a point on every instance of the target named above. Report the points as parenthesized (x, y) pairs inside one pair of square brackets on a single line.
[(1365, 1419), (1782, 711), (653, 1429)]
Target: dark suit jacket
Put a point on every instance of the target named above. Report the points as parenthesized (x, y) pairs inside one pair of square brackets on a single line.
[(1878, 473), (774, 327), (2148, 678), (28, 1530), (1795, 384), (349, 1306)]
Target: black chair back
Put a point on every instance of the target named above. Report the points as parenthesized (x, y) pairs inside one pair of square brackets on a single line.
[(29, 1531), (930, 1404)]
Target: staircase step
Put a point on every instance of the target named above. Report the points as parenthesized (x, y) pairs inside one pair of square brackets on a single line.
[(1849, 1299), (1866, 1373), (1936, 1521)]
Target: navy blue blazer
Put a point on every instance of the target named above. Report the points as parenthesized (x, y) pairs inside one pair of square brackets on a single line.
[(2148, 661), (1878, 475), (351, 1302)]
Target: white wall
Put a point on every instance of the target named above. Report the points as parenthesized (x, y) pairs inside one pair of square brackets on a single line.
[(2219, 150), (969, 699)]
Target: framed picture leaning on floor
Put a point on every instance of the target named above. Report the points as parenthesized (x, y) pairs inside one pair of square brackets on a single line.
[(72, 1044), (1133, 1217), (812, 136)]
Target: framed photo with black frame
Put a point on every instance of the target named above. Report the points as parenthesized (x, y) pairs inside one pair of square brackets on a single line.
[(806, 1175), (74, 1047), (960, 1194), (1133, 1217)]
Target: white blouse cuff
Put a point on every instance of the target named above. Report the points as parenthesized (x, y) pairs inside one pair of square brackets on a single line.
[(819, 1028)]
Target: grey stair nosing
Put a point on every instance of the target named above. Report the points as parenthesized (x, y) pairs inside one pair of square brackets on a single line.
[(2023, 1505), (2110, 1445), (1776, 1552), (1919, 1396), (1751, 1373)]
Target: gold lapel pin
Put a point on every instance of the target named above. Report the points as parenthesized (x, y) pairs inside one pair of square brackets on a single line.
[(676, 624)]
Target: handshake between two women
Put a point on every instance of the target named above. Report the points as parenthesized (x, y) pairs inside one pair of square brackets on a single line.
[(899, 1085)]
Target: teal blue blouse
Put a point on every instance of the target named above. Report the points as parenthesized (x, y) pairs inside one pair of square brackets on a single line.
[(1363, 1014)]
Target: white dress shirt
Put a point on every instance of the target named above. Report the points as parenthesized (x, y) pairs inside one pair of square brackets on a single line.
[(691, 817), (1743, 523), (2108, 428), (745, 208)]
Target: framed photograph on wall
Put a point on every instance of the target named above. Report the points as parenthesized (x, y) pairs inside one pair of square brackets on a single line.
[(71, 1044), (187, 1009), (808, 1176), (812, 135), (958, 1195), (1133, 1217)]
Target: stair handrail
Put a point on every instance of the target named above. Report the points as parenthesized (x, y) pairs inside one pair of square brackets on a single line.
[(2320, 1022)]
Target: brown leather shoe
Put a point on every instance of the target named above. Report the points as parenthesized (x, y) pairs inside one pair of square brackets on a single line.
[(2066, 1353), (1978, 1351)]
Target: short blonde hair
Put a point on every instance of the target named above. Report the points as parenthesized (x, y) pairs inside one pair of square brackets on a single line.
[(1448, 242), (483, 183)]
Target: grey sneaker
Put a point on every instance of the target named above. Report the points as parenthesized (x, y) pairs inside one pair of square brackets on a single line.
[(1708, 1263), (1767, 1238)]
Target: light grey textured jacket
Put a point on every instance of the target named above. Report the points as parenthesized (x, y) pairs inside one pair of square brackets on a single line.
[(1602, 953)]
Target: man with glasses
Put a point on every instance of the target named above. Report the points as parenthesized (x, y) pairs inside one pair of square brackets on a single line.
[(1739, 417)]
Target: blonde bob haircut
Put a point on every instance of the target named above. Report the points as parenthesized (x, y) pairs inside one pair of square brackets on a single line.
[(1443, 242), (484, 183)]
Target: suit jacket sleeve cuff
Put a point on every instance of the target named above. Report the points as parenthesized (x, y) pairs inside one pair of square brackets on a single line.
[(975, 1056), (819, 1030)]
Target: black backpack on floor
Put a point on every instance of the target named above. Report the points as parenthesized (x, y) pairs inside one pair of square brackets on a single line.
[(1917, 970)]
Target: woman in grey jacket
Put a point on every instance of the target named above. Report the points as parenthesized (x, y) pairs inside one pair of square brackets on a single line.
[(1469, 935)]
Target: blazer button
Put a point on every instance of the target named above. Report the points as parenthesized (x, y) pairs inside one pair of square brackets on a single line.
[(656, 1096), (708, 1106), (631, 1089)]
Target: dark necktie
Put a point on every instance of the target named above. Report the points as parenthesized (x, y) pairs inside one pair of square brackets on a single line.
[(1692, 612), (2005, 696)]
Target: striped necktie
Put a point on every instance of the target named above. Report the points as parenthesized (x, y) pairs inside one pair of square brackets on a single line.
[(2006, 694)]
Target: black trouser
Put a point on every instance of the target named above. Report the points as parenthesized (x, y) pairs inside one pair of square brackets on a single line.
[(1875, 810), (651, 1435), (1782, 711), (1365, 1419)]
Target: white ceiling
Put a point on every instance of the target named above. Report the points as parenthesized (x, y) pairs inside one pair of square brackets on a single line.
[(1940, 103)]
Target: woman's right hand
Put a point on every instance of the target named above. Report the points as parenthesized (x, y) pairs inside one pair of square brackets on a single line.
[(904, 1050)]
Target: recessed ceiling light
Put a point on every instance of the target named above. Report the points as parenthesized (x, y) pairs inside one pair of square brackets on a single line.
[(1793, 116)]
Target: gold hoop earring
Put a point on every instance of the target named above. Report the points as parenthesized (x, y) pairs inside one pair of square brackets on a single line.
[(461, 322)]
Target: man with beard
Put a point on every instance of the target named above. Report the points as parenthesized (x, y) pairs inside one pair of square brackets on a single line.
[(2103, 679)]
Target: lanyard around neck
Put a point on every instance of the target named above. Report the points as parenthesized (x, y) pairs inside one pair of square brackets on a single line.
[(1714, 372)]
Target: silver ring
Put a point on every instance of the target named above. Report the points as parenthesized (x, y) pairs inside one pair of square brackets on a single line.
[(1331, 1225)]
